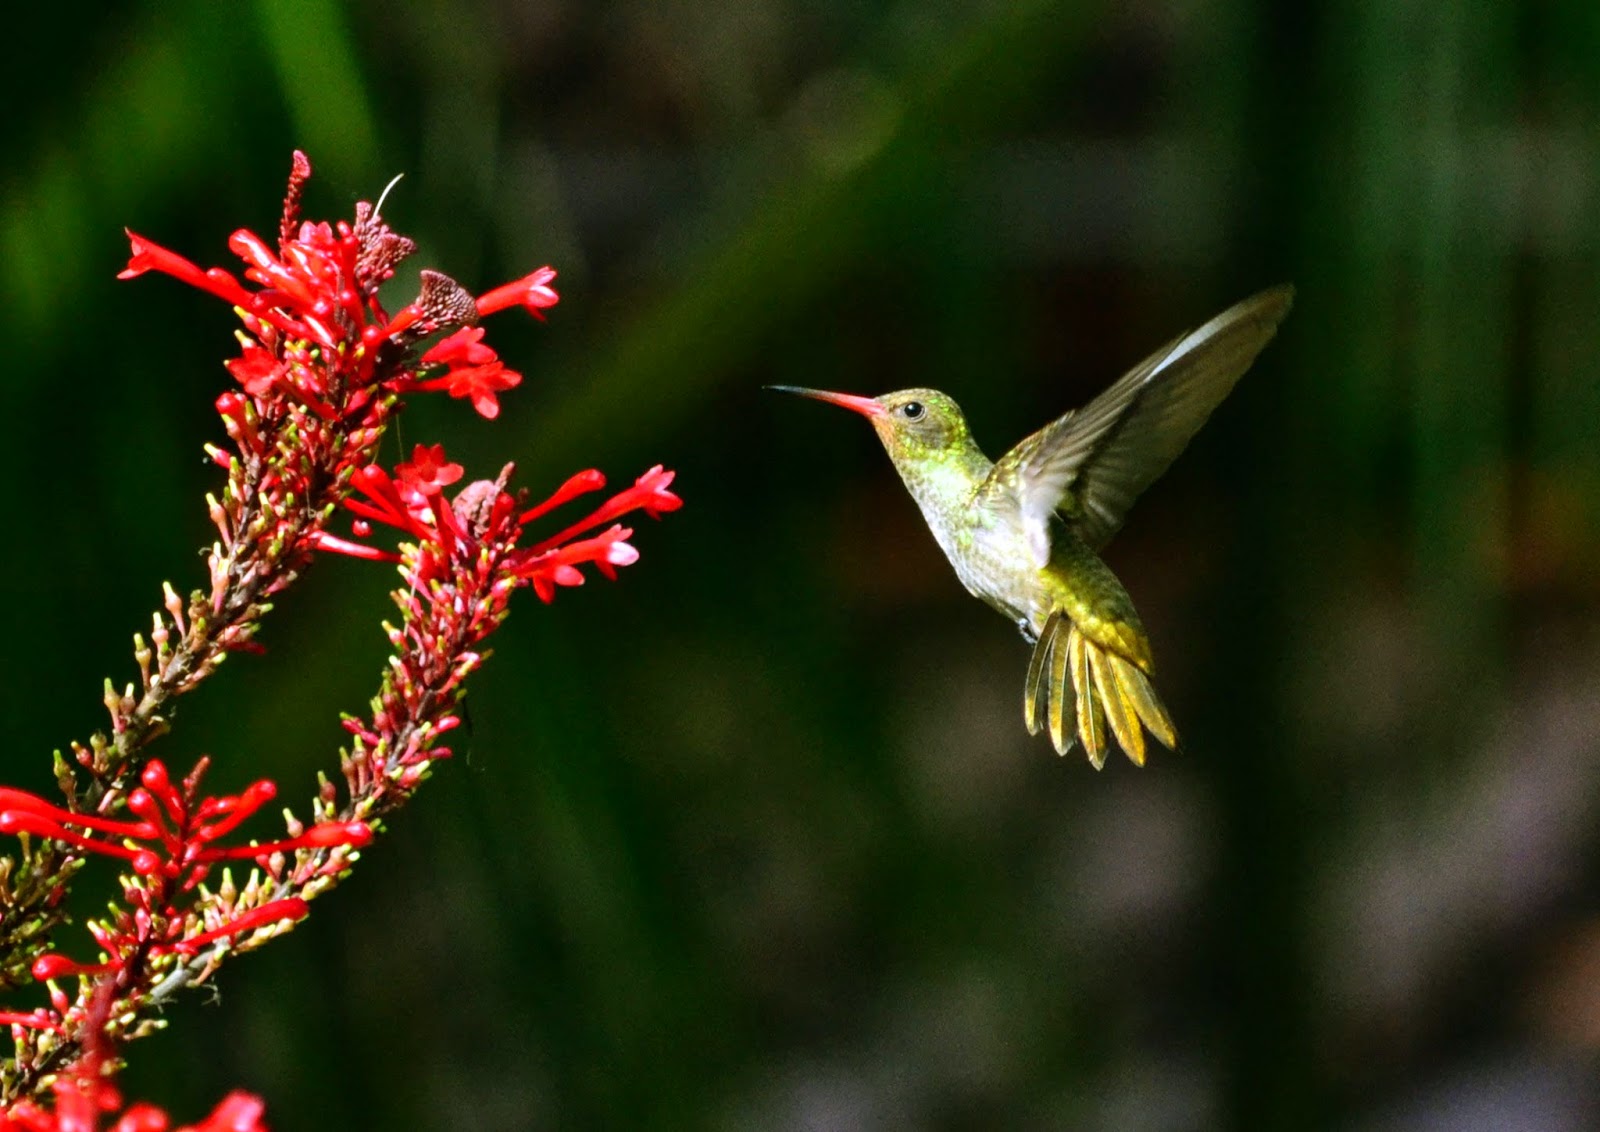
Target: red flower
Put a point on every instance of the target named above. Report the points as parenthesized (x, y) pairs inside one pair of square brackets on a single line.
[(172, 842), (429, 472), (459, 569), (533, 292), (648, 494), (315, 332), (147, 256), (479, 384), (79, 1108), (453, 540), (464, 347), (474, 370), (84, 1093), (544, 571), (257, 369), (238, 1112)]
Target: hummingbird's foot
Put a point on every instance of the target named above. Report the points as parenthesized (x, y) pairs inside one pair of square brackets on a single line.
[(1026, 629)]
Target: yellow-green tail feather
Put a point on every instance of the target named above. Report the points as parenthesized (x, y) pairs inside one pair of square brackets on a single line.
[(1074, 682)]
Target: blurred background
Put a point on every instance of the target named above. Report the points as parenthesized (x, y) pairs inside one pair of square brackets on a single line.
[(754, 838)]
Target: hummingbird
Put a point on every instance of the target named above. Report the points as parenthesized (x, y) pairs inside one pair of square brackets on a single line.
[(1023, 533)]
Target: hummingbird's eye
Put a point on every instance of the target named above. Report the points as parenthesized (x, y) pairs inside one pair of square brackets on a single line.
[(911, 410)]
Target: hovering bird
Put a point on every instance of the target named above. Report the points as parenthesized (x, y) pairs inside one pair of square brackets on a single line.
[(1023, 533)]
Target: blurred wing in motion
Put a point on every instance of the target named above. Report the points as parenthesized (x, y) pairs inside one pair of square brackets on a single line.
[(1091, 464)]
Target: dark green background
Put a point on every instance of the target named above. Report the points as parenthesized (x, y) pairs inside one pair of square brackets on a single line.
[(754, 838)]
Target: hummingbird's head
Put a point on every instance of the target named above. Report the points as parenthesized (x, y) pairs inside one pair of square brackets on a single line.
[(914, 424)]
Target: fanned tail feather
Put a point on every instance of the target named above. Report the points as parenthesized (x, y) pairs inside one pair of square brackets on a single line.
[(1079, 690)]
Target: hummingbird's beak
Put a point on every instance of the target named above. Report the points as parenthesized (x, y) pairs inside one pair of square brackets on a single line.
[(866, 406)]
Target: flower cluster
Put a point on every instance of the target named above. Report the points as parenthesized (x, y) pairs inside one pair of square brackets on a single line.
[(322, 368), (320, 372), (84, 1096), (459, 565), (169, 930), (80, 1109)]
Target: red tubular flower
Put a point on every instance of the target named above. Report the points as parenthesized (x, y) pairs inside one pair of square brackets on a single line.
[(463, 348), (43, 820), (480, 384), (84, 1095), (32, 1019), (152, 257), (178, 828), (581, 484), (322, 540), (532, 292), (315, 335), (257, 369), (80, 1107), (278, 912), (353, 834), (142, 1117), (484, 518), (238, 1112), (384, 503), (172, 845), (428, 472), (648, 494), (240, 420), (58, 966), (474, 371)]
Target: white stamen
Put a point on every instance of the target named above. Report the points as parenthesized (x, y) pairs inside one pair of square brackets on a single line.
[(377, 209)]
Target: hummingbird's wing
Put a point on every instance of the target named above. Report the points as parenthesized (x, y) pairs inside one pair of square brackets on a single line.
[(1092, 463)]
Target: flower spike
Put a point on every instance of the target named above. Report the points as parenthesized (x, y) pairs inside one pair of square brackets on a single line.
[(320, 371)]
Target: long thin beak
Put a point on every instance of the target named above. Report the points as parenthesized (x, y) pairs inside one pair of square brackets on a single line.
[(866, 406)]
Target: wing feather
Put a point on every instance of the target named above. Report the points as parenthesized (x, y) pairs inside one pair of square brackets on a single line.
[(1093, 463)]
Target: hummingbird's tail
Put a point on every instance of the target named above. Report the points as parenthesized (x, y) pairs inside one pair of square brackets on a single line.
[(1105, 688)]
